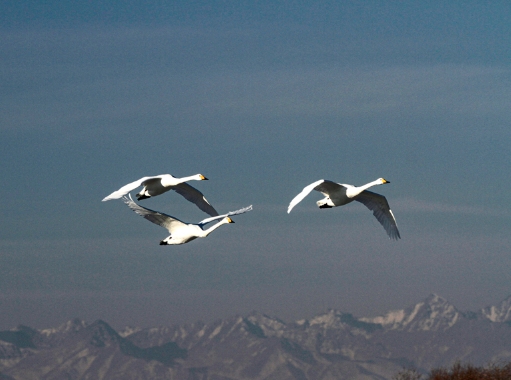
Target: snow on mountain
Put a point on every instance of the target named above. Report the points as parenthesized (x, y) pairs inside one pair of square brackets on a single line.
[(270, 326), (73, 325), (330, 345), (330, 319), (334, 319), (128, 330), (500, 313), (9, 351), (432, 314)]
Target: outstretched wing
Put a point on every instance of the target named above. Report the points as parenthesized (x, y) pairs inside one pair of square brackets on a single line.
[(195, 196), (237, 212), (127, 188), (306, 190), (381, 210), (161, 219)]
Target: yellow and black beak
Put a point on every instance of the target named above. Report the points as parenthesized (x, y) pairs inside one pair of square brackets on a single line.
[(203, 178), (229, 220)]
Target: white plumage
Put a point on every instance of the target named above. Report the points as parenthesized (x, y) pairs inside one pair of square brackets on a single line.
[(181, 232), (156, 185), (337, 194)]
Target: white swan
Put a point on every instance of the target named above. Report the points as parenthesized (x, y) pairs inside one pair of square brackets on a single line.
[(181, 232), (153, 186), (337, 194)]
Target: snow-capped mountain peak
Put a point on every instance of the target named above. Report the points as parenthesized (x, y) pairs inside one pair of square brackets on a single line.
[(434, 313), (270, 326), (500, 313), (73, 325), (332, 318)]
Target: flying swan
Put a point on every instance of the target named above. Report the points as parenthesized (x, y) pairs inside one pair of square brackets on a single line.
[(181, 232), (159, 184), (337, 194)]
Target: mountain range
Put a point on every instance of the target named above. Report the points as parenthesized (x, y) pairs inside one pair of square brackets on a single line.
[(332, 345)]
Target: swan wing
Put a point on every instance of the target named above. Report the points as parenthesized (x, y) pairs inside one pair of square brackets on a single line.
[(381, 210), (237, 212), (328, 187), (159, 218), (129, 187), (195, 196), (306, 190)]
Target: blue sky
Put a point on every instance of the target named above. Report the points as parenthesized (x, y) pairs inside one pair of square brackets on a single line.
[(262, 98)]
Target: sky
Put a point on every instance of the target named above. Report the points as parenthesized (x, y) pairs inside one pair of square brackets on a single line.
[(263, 98)]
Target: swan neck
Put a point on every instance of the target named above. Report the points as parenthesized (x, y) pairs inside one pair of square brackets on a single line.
[(195, 177), (169, 180), (356, 190), (214, 227)]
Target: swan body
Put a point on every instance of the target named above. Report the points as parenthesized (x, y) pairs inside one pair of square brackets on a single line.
[(181, 232), (337, 194), (156, 185)]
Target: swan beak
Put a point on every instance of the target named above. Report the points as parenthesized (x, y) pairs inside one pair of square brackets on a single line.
[(163, 242), (229, 220), (203, 178), (384, 181)]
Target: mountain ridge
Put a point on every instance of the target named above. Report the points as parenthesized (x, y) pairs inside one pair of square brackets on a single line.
[(330, 345)]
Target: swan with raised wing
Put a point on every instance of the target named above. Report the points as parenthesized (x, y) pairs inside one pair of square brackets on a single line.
[(340, 194), (156, 185), (181, 232)]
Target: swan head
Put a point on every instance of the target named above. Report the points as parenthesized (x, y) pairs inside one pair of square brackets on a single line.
[(383, 181), (202, 178)]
